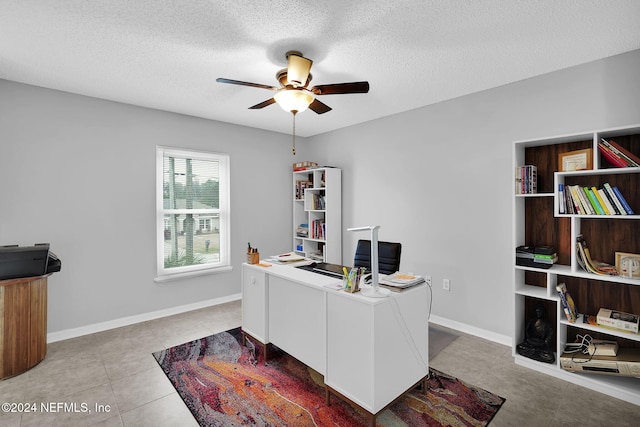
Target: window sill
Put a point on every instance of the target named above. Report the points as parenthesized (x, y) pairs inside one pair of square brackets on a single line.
[(189, 274)]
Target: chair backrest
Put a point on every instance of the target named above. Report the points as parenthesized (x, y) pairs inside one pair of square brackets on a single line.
[(388, 256)]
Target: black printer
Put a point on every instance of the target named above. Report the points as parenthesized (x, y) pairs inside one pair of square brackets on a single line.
[(27, 261)]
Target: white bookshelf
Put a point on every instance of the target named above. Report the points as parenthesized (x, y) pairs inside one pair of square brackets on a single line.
[(537, 222), (318, 201)]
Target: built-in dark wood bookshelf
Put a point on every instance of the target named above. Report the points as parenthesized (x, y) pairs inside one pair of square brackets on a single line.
[(538, 222)]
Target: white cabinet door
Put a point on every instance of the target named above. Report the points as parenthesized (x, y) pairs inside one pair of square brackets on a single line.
[(297, 321), (377, 351), (254, 303)]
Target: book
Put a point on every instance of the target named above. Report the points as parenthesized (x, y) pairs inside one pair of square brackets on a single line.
[(614, 198), (526, 178), (568, 305), (562, 204), (588, 264), (610, 210), (595, 204), (571, 209), (587, 209), (623, 201), (610, 157), (622, 153), (302, 230), (577, 202), (618, 320), (601, 202)]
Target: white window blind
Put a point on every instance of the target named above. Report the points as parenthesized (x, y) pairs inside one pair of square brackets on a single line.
[(192, 199)]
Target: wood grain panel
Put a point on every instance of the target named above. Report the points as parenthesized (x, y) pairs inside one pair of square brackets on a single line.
[(15, 325), (23, 324), (543, 229), (545, 158)]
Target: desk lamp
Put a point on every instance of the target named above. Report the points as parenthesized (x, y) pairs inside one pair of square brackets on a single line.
[(375, 290)]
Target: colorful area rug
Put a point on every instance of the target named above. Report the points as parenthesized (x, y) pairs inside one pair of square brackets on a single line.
[(224, 383)]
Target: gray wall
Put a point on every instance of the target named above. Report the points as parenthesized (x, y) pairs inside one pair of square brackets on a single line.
[(79, 173), (439, 178)]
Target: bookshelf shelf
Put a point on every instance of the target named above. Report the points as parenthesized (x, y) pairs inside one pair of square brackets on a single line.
[(317, 202), (537, 222), (579, 323)]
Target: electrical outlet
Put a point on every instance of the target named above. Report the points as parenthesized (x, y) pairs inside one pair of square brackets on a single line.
[(428, 280), (446, 284)]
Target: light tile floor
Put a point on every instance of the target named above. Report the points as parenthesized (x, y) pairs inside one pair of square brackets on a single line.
[(111, 379)]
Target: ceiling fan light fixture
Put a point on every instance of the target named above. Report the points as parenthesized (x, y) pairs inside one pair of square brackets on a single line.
[(291, 100)]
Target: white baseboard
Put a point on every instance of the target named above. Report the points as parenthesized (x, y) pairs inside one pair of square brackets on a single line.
[(471, 330), (125, 321)]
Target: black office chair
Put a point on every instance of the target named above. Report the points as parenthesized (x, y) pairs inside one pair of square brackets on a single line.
[(388, 256)]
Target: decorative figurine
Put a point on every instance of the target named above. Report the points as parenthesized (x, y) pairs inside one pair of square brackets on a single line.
[(538, 343)]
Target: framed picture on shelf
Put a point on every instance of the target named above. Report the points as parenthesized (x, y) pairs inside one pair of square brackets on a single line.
[(628, 265), (575, 160)]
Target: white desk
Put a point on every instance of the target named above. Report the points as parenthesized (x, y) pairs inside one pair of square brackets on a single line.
[(370, 350)]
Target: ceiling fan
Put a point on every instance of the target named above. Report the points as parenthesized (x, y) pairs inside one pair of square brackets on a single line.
[(294, 95)]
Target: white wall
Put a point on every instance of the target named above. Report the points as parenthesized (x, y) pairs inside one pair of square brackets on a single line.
[(79, 173), (439, 179)]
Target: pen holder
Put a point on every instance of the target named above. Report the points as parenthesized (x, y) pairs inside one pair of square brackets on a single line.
[(350, 283), (253, 257)]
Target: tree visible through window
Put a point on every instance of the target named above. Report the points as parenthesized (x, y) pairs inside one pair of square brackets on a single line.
[(193, 211)]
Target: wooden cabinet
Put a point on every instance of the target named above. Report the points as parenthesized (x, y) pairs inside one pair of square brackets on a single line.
[(317, 214), (23, 324), (537, 221)]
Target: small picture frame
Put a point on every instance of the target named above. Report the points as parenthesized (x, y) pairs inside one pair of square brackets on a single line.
[(575, 160), (628, 265)]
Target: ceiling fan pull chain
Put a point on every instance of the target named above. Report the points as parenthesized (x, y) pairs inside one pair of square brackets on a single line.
[(293, 147)]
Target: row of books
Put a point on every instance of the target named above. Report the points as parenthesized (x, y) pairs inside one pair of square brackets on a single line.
[(317, 202), (583, 256), (301, 166), (526, 179), (302, 230), (616, 155), (300, 187), (317, 229), (608, 200)]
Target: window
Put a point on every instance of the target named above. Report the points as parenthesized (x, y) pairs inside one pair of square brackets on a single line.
[(192, 221)]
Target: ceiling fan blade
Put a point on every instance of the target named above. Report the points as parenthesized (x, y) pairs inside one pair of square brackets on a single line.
[(319, 107), (339, 88), (241, 83), (298, 69), (263, 104)]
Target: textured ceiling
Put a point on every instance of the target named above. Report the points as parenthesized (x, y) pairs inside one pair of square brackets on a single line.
[(167, 54)]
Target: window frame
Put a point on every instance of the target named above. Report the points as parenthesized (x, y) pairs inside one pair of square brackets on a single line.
[(165, 274)]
